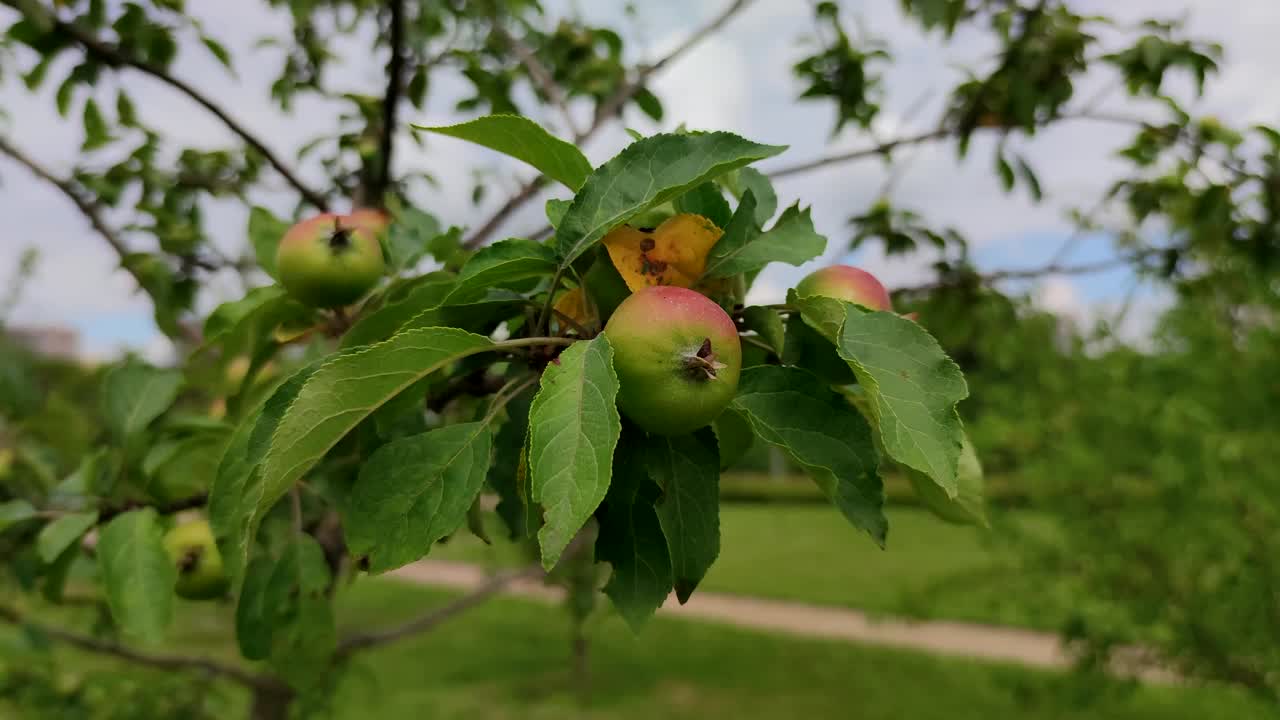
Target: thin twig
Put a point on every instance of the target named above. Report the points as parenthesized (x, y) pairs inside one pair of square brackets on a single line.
[(604, 112), (492, 587), (162, 662), (540, 76), (390, 103), (87, 208), (1044, 270), (116, 57)]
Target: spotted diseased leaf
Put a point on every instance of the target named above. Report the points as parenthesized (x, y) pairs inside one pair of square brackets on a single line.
[(138, 575), (525, 140), (800, 414), (687, 469), (573, 428), (414, 491), (646, 174), (672, 254), (631, 538)]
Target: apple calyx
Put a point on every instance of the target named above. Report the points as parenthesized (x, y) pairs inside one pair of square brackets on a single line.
[(702, 364), (340, 239)]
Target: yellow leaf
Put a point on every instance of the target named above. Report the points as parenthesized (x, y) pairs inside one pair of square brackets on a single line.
[(573, 304), (675, 253)]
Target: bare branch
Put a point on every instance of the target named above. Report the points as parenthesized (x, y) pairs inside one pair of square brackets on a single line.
[(1044, 271), (541, 77), (614, 103), (116, 57), (87, 208), (390, 103), (495, 585), (604, 112), (881, 149), (160, 662)]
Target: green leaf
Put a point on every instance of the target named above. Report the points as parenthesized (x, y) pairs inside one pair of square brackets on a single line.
[(648, 103), (14, 512), (967, 506), (218, 51), (410, 237), (430, 292), (687, 468), (646, 174), (55, 576), (555, 210), (509, 465), (501, 263), (303, 636), (743, 249), (348, 389), (631, 538), (265, 231), (125, 110), (1029, 177), (573, 428), (236, 498), (96, 133), (58, 535), (797, 412), (134, 394), (525, 140), (138, 575), (913, 388), (706, 200), (415, 491), (734, 437), (767, 324), (254, 618), (759, 185)]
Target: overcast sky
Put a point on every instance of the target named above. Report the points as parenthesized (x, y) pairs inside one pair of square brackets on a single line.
[(739, 80)]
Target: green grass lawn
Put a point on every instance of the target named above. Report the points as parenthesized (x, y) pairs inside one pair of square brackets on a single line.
[(510, 659), (809, 553)]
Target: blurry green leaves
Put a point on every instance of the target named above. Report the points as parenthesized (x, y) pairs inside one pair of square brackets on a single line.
[(842, 72), (573, 428), (646, 174), (415, 491), (265, 231), (285, 616), (138, 574), (525, 140), (134, 394), (60, 533), (798, 413)]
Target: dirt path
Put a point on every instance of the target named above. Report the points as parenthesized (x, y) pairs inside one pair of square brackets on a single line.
[(969, 640)]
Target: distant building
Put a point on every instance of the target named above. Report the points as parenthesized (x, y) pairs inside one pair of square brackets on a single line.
[(57, 342)]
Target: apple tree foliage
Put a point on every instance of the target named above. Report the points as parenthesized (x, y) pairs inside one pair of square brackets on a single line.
[(325, 445)]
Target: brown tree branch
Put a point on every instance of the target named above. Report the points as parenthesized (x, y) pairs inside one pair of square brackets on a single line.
[(116, 57), (1042, 271), (390, 103), (604, 112), (436, 616), (160, 662)]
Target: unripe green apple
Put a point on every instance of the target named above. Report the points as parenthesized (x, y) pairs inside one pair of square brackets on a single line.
[(677, 356), (201, 575), (332, 260), (845, 282)]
